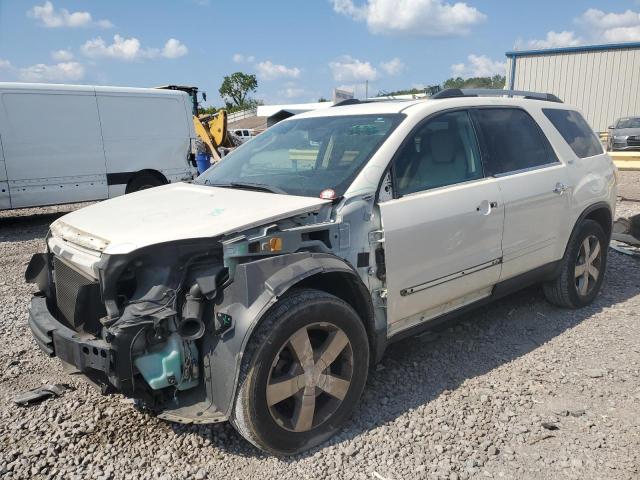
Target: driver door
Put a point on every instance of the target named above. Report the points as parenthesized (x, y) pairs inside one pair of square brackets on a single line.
[(443, 228)]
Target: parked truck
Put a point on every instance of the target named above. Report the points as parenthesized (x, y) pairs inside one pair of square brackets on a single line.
[(68, 143)]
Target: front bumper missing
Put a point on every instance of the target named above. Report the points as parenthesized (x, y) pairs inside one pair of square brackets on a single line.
[(97, 361), (90, 356)]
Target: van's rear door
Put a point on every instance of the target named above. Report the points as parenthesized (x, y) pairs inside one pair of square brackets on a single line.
[(52, 145), (144, 130)]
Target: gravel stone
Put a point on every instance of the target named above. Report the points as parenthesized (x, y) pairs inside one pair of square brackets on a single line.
[(465, 402)]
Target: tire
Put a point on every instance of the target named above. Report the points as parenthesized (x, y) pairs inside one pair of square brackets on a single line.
[(143, 181), (573, 288), (284, 423)]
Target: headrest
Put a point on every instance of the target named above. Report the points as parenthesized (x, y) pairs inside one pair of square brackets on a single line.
[(442, 146)]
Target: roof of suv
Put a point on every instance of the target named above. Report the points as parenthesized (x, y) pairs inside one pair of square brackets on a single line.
[(435, 104)]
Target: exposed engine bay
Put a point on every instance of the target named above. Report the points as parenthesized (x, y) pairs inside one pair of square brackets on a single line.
[(157, 324)]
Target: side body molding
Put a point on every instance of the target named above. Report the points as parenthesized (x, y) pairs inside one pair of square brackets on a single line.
[(256, 286)]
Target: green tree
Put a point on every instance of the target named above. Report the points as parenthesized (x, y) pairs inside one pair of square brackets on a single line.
[(207, 110), (236, 87), (497, 81)]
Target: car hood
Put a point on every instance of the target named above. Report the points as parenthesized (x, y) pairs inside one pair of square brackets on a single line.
[(174, 212), (626, 132)]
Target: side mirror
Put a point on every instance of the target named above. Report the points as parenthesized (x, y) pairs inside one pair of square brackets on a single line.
[(204, 96), (611, 127)]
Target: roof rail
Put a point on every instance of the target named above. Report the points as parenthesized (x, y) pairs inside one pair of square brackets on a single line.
[(494, 92), (348, 101)]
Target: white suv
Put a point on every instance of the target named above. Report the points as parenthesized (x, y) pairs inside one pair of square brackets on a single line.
[(262, 293)]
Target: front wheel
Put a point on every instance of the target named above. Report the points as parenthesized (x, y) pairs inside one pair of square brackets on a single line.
[(582, 268), (304, 371)]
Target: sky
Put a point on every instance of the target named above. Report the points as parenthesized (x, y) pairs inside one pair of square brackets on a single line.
[(300, 50)]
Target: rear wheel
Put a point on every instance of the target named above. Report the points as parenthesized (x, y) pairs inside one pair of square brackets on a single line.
[(143, 181), (304, 371), (582, 268)]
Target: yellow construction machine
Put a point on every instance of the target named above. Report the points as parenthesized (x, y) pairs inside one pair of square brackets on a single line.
[(211, 129)]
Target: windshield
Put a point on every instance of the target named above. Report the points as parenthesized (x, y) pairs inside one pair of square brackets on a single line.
[(306, 156), (629, 123)]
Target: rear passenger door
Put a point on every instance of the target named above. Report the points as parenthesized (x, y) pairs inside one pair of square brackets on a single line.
[(533, 184), (443, 228)]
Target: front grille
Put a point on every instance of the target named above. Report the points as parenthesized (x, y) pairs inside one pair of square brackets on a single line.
[(77, 297), (633, 141)]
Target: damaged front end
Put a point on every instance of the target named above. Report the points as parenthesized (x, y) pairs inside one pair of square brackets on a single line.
[(136, 323)]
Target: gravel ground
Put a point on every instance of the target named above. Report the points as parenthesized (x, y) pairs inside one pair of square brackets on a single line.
[(519, 389)]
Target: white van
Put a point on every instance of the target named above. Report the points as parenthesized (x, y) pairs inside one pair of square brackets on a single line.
[(68, 143)]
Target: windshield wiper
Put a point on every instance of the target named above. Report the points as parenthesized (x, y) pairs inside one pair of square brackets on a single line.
[(260, 187)]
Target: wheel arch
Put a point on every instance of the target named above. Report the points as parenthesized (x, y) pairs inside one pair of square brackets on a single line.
[(257, 286), (599, 212)]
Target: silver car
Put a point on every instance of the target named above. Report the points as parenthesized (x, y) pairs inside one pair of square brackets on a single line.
[(625, 134)]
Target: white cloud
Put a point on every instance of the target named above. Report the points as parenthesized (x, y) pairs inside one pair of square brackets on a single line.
[(270, 71), (121, 48), (60, 72), (131, 49), (240, 58), (292, 92), (416, 17), (393, 66), (174, 49), (553, 39), (478, 66), (5, 64), (49, 17), (349, 69), (597, 27), (594, 18), (62, 55), (611, 27)]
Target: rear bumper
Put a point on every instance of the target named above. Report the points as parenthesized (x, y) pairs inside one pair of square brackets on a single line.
[(91, 356)]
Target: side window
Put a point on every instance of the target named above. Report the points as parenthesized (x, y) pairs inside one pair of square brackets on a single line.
[(512, 140), (444, 151), (576, 131)]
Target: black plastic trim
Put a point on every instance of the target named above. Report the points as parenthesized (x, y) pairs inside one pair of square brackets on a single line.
[(119, 178)]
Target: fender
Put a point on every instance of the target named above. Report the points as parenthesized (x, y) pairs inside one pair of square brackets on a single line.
[(256, 287)]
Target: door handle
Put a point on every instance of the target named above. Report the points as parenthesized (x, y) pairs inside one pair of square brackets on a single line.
[(486, 206), (560, 188)]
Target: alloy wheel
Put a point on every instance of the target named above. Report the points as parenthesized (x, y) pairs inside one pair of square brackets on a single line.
[(588, 265), (309, 377)]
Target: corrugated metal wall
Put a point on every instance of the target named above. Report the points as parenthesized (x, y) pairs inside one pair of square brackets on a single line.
[(604, 84)]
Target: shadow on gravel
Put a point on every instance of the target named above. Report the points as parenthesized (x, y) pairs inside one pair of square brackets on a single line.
[(417, 370), (27, 227)]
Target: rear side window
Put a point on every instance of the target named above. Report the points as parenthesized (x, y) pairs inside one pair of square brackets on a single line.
[(576, 131), (512, 140)]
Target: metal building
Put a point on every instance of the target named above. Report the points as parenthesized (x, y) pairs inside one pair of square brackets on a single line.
[(602, 80)]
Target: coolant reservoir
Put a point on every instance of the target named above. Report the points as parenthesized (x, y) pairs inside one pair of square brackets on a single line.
[(162, 366)]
